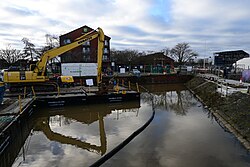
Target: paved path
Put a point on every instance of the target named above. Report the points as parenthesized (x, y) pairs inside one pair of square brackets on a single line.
[(227, 86)]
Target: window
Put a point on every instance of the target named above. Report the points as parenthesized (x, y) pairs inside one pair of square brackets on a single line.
[(88, 50), (66, 41), (85, 29), (105, 50), (87, 43), (105, 57), (106, 43), (85, 50)]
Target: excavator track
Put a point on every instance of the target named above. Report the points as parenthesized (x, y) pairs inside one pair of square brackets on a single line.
[(37, 87)]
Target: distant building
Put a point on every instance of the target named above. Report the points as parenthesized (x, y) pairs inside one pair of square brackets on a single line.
[(158, 61), (243, 64), (87, 52), (155, 59), (228, 58)]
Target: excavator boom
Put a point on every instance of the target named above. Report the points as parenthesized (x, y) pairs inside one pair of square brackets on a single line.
[(37, 73)]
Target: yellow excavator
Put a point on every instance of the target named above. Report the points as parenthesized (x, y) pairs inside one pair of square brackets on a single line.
[(36, 77)]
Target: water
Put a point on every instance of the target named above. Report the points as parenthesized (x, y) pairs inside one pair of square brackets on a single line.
[(182, 134)]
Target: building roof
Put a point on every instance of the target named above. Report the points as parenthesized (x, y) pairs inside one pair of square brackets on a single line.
[(231, 52), (228, 58), (85, 26), (155, 57)]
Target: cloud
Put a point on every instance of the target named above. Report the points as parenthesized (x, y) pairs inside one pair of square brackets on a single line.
[(214, 21), (20, 11), (140, 24)]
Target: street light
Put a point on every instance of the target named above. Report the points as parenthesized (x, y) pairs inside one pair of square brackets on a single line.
[(204, 65)]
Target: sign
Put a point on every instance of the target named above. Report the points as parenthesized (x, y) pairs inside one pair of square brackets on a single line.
[(89, 82), (122, 70), (189, 68), (79, 69)]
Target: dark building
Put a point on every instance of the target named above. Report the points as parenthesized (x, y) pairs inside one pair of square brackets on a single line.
[(156, 62), (87, 52), (228, 58), (155, 59)]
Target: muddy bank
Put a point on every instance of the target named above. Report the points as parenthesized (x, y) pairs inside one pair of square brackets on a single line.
[(233, 111)]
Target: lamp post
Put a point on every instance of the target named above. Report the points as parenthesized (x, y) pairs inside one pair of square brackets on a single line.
[(204, 64)]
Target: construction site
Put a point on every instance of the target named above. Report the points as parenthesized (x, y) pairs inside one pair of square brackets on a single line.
[(93, 112)]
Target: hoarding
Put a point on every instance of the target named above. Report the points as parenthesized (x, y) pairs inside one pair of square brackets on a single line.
[(246, 76), (79, 69)]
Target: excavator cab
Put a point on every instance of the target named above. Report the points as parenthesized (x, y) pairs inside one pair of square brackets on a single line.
[(65, 81)]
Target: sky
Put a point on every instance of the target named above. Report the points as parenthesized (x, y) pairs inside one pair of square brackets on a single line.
[(145, 25)]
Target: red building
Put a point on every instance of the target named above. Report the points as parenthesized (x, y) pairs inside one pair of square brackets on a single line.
[(86, 53)]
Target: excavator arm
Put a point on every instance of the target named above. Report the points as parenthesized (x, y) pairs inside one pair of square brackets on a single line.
[(41, 65), (37, 75)]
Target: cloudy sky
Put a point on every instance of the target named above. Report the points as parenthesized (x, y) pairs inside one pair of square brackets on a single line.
[(146, 25)]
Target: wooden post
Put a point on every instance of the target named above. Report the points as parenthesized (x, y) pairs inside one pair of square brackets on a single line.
[(58, 90), (33, 91), (137, 86), (24, 94), (20, 104), (117, 88)]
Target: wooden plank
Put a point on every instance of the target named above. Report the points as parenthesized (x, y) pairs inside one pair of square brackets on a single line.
[(5, 120), (14, 108)]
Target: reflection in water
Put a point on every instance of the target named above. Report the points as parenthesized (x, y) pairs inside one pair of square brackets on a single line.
[(172, 98), (53, 123), (182, 134), (43, 125)]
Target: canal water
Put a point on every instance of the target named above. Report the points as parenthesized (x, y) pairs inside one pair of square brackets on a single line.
[(182, 134)]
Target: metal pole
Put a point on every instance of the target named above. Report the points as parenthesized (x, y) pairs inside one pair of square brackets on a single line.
[(221, 86), (226, 88), (204, 64)]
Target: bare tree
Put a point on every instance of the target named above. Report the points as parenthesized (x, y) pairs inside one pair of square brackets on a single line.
[(166, 51), (29, 49), (10, 55), (182, 53), (126, 56), (52, 41)]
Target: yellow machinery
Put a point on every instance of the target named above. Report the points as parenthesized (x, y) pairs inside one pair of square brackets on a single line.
[(36, 76)]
